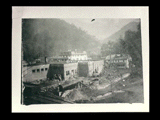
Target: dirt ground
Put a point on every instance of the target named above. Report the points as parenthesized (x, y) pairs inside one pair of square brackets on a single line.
[(132, 93), (103, 89), (127, 90)]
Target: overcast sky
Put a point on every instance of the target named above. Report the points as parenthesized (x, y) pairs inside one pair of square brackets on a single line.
[(101, 27)]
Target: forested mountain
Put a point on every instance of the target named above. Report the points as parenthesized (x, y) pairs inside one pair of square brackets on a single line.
[(115, 40), (129, 44), (49, 37), (120, 33)]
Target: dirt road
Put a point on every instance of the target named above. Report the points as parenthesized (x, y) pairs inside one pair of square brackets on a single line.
[(123, 91), (130, 93)]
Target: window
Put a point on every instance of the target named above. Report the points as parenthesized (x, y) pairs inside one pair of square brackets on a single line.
[(120, 60), (46, 69), (115, 61), (67, 72), (38, 70), (33, 71), (42, 69)]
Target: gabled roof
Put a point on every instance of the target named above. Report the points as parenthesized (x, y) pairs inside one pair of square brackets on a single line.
[(112, 56), (118, 57)]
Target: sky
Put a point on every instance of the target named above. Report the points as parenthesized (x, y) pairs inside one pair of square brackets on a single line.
[(100, 28)]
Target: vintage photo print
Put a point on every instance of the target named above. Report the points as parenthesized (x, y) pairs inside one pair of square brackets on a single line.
[(79, 59)]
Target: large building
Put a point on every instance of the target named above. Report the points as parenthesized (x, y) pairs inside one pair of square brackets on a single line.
[(70, 70), (57, 59), (34, 72), (63, 67), (62, 70), (74, 55), (118, 60), (90, 68), (65, 70)]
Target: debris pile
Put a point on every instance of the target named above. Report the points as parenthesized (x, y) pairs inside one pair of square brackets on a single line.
[(76, 94)]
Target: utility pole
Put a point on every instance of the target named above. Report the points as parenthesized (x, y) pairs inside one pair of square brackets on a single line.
[(110, 81), (110, 48), (110, 75)]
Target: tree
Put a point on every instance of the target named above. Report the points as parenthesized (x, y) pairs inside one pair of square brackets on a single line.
[(108, 48), (132, 45)]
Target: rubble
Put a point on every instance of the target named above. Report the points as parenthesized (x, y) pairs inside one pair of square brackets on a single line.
[(76, 94)]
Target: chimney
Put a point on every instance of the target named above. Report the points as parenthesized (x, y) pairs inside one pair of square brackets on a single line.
[(75, 50), (45, 59)]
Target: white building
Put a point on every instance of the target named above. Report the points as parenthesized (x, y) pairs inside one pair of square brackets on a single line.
[(120, 60), (34, 72), (74, 55)]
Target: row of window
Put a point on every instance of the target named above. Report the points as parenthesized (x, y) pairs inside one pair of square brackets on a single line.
[(72, 55), (78, 58), (72, 71), (56, 60), (38, 70), (64, 56), (78, 55), (117, 61)]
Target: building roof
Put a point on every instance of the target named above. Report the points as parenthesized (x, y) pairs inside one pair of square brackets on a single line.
[(112, 56), (24, 63), (62, 62), (69, 53), (120, 63), (59, 57), (118, 57)]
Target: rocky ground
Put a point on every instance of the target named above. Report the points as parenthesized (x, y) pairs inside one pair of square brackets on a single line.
[(123, 90), (119, 87)]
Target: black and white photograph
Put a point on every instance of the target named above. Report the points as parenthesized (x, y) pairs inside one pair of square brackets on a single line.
[(85, 60)]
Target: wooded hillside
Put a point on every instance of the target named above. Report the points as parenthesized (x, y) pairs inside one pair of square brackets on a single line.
[(49, 37)]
